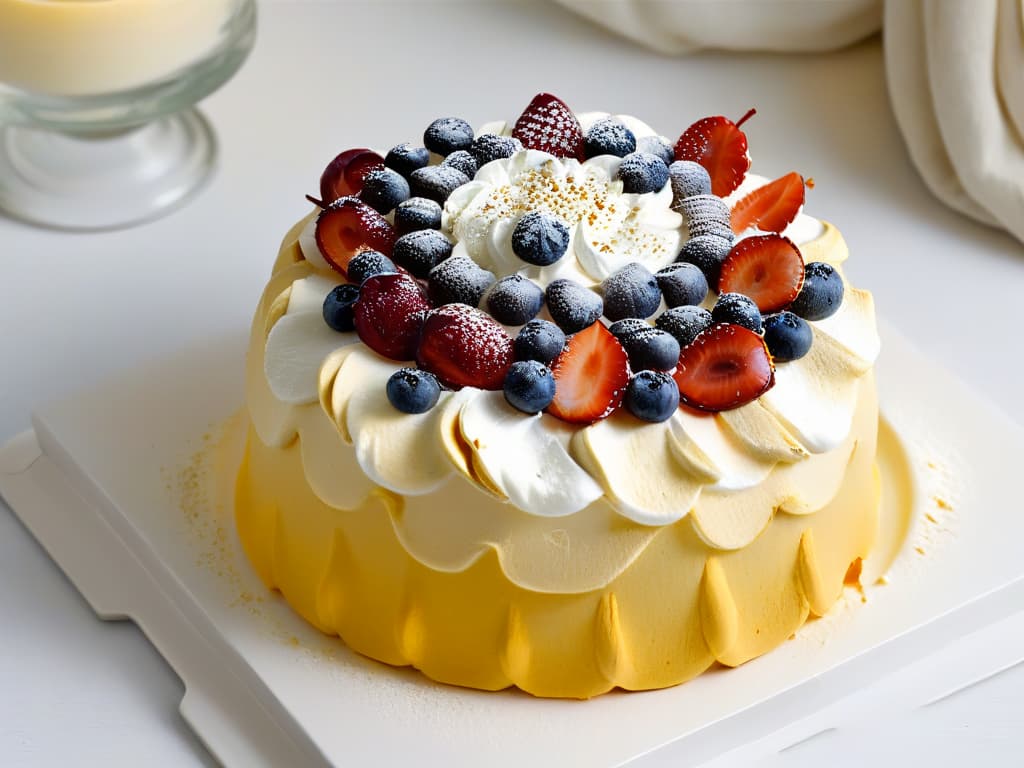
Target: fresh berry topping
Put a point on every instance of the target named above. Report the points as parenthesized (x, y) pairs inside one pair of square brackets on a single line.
[(529, 386), (707, 215), (539, 340), (767, 268), (436, 182), (383, 189), (462, 161), (572, 306), (689, 179), (682, 284), (641, 172), (421, 251), (488, 147), (721, 147), (626, 327), (788, 337), (347, 226), (389, 313), (821, 294), (338, 312), (417, 213), (650, 348), (405, 158), (458, 280), (770, 208), (411, 390), (630, 291), (737, 309), (609, 136), (707, 253), (448, 134), (549, 125), (464, 347), (514, 300), (540, 238), (652, 396), (343, 176), (658, 146), (725, 367), (591, 374), (684, 323), (367, 264)]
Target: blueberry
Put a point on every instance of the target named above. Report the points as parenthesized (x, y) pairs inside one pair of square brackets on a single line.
[(411, 390), (436, 182), (630, 291), (539, 340), (421, 251), (788, 337), (651, 348), (367, 264), (658, 146), (417, 213), (529, 386), (609, 136), (338, 306), (822, 292), (572, 306), (707, 253), (652, 396), (383, 189), (405, 158), (682, 284), (684, 323), (448, 134), (737, 309), (688, 180), (514, 300), (540, 238), (626, 327), (642, 172), (488, 147), (458, 280), (462, 161)]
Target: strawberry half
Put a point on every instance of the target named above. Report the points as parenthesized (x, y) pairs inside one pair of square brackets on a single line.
[(389, 313), (767, 268), (770, 208), (344, 175), (347, 226), (465, 347), (720, 146), (591, 374), (725, 367), (549, 125)]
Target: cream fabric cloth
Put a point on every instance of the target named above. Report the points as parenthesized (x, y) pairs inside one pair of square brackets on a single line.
[(955, 71)]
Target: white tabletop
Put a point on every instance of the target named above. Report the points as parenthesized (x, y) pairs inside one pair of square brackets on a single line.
[(329, 75)]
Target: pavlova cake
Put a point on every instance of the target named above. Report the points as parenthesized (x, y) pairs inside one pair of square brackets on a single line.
[(560, 404)]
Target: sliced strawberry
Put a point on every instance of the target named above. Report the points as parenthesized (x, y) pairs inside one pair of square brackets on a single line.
[(465, 347), (770, 208), (720, 146), (347, 226), (766, 268), (591, 374), (389, 313), (725, 367), (344, 175), (549, 125)]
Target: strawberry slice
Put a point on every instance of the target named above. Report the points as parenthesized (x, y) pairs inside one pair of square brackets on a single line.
[(720, 146), (770, 208), (549, 125), (465, 347), (344, 175), (347, 226), (767, 268), (389, 313), (725, 367), (591, 374)]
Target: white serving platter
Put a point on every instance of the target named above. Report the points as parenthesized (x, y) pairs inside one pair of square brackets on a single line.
[(128, 488)]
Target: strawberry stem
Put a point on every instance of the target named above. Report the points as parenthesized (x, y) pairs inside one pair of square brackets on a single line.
[(750, 113), (314, 201)]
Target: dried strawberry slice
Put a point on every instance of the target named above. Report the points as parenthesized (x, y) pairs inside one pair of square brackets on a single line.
[(591, 374), (770, 208), (725, 367), (720, 146), (766, 268)]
